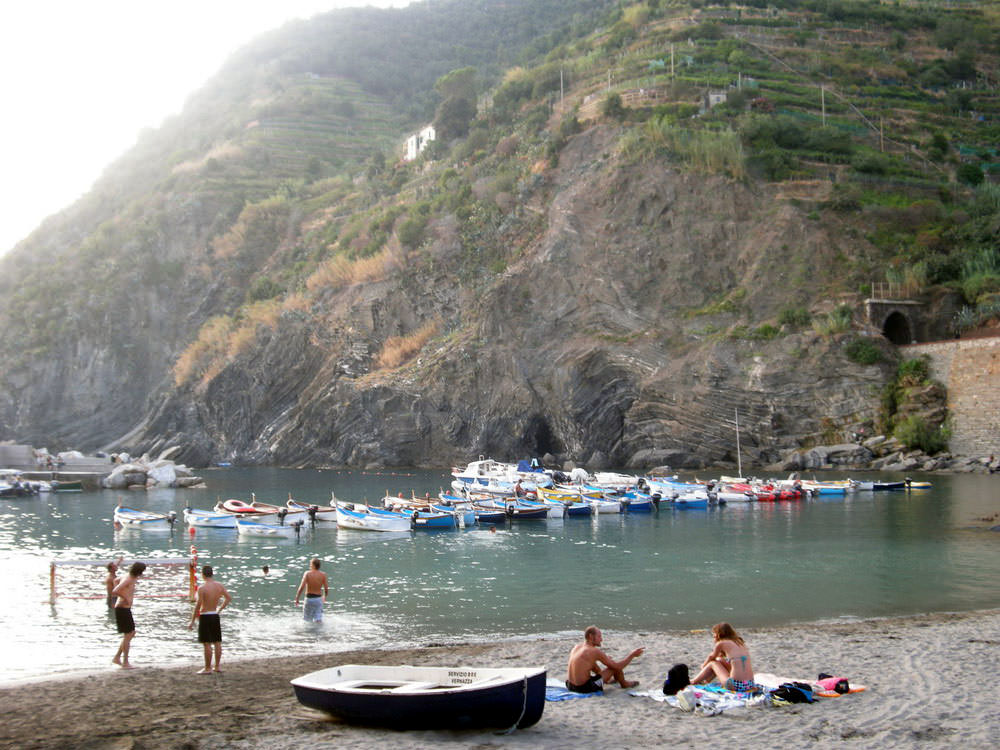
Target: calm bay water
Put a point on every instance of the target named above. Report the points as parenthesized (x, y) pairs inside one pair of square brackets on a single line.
[(867, 554)]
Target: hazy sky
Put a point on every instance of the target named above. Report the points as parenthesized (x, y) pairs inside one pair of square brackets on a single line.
[(82, 79)]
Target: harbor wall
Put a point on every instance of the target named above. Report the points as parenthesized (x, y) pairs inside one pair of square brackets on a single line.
[(970, 369)]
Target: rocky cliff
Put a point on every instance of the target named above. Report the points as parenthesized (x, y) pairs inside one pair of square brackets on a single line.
[(594, 345)]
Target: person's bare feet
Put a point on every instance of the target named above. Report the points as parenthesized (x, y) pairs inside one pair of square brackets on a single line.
[(126, 665), (629, 683), (218, 670), (206, 670)]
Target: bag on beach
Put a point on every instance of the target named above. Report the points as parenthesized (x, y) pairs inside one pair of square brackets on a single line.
[(793, 692), (677, 679), (836, 684)]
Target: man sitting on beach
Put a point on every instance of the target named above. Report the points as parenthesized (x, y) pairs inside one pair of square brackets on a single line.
[(583, 673), (212, 599)]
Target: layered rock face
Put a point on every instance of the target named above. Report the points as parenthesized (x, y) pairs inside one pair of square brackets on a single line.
[(603, 342)]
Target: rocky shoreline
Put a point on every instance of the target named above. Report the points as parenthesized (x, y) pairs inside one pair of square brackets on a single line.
[(882, 453)]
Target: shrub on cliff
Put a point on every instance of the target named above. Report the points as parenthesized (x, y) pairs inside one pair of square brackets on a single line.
[(916, 434)]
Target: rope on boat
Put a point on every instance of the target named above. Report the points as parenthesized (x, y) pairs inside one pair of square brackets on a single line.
[(524, 706)]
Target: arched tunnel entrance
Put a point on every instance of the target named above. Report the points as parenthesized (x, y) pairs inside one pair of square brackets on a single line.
[(897, 329), (538, 437)]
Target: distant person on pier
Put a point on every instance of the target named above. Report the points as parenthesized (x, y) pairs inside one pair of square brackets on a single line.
[(585, 673), (313, 583)]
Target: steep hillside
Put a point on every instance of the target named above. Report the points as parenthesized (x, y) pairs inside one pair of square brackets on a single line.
[(592, 262)]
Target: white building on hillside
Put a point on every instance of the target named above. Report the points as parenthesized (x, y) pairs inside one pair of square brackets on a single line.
[(418, 142)]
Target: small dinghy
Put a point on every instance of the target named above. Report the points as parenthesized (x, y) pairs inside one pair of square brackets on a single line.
[(240, 508), (254, 527), (426, 697), (315, 512), (130, 518), (209, 519), (366, 518)]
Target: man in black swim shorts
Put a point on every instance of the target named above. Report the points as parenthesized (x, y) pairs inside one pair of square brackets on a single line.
[(590, 668), (212, 599), (125, 591)]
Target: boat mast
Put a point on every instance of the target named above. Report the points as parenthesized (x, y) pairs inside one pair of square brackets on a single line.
[(739, 462)]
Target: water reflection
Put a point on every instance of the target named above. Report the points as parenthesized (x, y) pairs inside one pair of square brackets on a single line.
[(831, 557)]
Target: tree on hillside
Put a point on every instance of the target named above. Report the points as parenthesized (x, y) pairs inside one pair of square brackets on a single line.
[(458, 105)]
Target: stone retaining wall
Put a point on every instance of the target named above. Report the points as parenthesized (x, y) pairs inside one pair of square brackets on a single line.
[(971, 371)]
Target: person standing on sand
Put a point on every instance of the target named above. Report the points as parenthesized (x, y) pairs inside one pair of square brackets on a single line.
[(206, 609), (583, 673), (313, 582), (729, 661), (125, 591)]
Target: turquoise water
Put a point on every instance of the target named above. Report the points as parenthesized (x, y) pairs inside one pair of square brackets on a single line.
[(869, 554)]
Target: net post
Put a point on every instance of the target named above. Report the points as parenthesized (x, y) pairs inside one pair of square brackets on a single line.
[(52, 583)]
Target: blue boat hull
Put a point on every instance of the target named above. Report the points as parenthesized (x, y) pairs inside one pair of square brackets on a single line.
[(520, 704)]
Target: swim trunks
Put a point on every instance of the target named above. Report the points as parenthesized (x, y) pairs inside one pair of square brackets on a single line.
[(209, 628), (312, 610), (123, 618), (740, 686), (592, 685)]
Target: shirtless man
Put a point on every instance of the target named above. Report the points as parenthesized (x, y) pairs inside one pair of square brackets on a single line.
[(125, 591), (583, 675), (313, 582), (111, 580), (207, 607)]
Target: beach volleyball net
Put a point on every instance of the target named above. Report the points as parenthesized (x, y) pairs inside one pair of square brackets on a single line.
[(163, 578)]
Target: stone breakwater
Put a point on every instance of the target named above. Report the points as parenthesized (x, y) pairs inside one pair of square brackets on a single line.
[(882, 454), (146, 472)]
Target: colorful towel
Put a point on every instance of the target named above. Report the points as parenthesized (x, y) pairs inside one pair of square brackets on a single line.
[(557, 691)]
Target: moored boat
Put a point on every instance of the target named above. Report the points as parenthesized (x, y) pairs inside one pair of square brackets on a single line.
[(365, 518), (131, 518), (209, 519), (404, 697), (254, 527), (314, 512)]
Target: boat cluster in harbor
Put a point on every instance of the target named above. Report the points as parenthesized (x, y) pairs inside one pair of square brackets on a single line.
[(488, 492), (14, 484)]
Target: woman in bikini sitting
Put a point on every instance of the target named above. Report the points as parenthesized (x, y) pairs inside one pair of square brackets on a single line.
[(729, 661)]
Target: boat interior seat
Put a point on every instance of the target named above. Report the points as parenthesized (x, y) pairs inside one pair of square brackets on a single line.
[(411, 687)]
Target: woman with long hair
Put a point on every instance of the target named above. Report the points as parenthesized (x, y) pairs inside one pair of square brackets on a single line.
[(729, 661)]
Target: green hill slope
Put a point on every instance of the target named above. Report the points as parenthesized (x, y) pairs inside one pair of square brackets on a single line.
[(622, 238)]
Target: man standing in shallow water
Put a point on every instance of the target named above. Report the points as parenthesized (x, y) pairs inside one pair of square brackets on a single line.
[(206, 609), (125, 591), (313, 581)]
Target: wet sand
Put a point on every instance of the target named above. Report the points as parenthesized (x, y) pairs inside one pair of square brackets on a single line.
[(920, 673)]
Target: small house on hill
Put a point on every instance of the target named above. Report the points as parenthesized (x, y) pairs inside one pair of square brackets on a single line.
[(417, 142)]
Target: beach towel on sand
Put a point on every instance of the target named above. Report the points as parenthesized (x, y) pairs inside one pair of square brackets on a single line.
[(715, 699), (712, 699), (557, 691)]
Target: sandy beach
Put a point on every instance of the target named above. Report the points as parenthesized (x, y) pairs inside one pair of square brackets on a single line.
[(921, 673)]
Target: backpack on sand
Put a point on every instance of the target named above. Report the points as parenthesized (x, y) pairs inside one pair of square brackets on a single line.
[(677, 679)]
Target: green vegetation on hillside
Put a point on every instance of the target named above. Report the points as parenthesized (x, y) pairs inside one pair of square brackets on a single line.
[(281, 184)]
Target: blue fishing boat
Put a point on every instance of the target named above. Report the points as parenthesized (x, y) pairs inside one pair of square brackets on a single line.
[(404, 697)]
